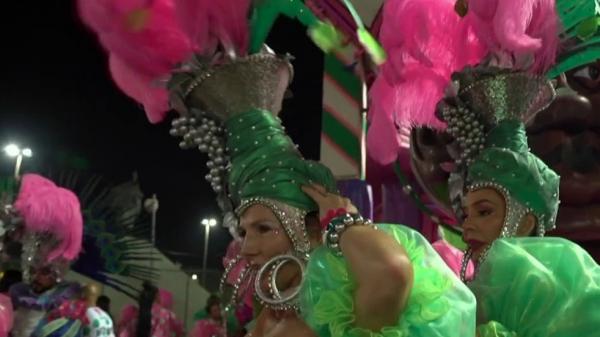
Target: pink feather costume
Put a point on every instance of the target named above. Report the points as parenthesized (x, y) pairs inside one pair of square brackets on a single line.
[(147, 39), (426, 41)]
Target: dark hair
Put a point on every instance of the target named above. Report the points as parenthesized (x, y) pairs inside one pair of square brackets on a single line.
[(313, 226), (10, 277), (103, 302), (145, 302), (212, 300)]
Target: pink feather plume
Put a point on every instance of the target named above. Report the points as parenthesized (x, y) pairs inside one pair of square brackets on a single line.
[(145, 43), (426, 41), (146, 39), (47, 208), (208, 23), (141, 87), (518, 30), (145, 34)]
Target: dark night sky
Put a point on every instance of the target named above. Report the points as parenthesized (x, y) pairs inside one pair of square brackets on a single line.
[(56, 97)]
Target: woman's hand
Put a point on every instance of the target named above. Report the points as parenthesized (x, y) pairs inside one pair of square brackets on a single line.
[(328, 201)]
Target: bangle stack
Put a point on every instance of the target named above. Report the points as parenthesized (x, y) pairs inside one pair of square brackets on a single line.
[(338, 225)]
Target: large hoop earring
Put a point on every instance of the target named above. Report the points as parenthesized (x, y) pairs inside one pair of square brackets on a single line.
[(275, 299)]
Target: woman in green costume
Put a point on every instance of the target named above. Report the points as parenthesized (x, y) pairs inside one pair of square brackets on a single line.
[(525, 284), (505, 197), (350, 278)]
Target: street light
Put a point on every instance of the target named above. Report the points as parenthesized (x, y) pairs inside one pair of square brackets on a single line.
[(207, 223), (13, 150), (194, 277)]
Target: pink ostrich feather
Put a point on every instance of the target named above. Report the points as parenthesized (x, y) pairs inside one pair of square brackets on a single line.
[(520, 29), (147, 39), (145, 43), (145, 34), (208, 23), (143, 88), (31, 183), (428, 32), (426, 41), (47, 208)]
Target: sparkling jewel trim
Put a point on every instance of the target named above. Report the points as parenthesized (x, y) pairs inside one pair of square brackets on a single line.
[(291, 218)]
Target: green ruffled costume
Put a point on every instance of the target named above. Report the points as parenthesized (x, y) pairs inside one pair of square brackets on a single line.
[(537, 287), (440, 305)]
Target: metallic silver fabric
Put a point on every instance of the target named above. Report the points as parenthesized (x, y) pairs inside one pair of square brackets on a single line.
[(257, 81)]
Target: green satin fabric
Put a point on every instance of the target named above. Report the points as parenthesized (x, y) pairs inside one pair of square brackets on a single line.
[(265, 162), (580, 23), (440, 305), (538, 287)]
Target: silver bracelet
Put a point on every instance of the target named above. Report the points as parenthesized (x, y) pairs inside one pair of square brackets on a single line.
[(338, 225)]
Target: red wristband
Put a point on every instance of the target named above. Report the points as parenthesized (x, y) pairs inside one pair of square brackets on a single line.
[(331, 214)]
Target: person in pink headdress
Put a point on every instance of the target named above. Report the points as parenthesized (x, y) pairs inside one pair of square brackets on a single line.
[(51, 223), (212, 325), (152, 317), (165, 298)]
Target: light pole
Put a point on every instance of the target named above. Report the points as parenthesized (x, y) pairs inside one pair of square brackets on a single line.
[(207, 223), (13, 150)]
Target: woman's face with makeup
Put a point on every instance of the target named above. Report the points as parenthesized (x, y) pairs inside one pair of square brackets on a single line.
[(484, 211), (262, 234)]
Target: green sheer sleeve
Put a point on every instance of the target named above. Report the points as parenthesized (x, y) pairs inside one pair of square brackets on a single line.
[(538, 287), (439, 304), (494, 329)]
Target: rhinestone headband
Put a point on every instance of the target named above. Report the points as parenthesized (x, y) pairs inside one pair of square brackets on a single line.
[(291, 218)]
